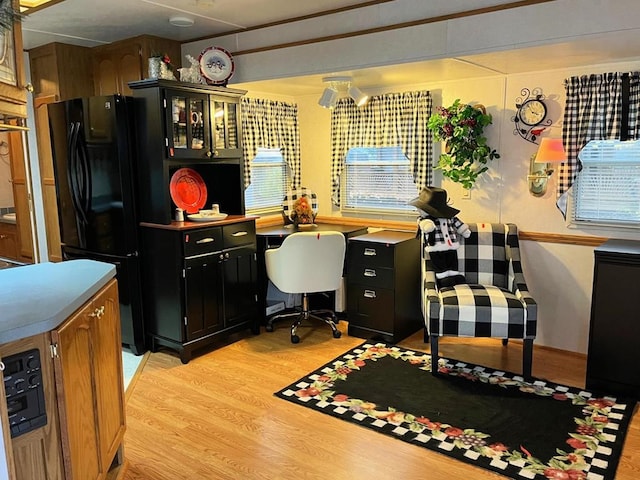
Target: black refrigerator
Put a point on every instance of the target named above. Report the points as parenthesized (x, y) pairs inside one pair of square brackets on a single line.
[(93, 148)]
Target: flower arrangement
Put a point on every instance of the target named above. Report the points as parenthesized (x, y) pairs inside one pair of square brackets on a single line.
[(461, 127), (302, 211), (164, 58), (160, 66)]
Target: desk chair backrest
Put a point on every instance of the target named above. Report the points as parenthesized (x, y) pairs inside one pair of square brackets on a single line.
[(307, 262)]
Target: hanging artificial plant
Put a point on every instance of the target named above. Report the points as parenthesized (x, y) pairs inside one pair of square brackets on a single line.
[(8, 15), (461, 127)]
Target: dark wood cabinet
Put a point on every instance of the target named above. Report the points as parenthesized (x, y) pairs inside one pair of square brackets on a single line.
[(383, 285), (200, 282), (187, 125), (613, 361)]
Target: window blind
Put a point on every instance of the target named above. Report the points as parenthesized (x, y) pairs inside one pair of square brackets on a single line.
[(269, 182), (378, 179), (608, 186)]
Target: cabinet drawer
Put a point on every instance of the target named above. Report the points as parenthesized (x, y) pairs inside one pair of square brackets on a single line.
[(371, 307), (371, 276), (206, 240), (239, 234), (370, 253)]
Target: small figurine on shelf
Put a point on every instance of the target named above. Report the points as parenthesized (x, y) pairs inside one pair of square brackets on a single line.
[(302, 212), (440, 227), (191, 74)]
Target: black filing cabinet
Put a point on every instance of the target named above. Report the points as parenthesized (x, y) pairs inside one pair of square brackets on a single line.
[(383, 285), (613, 362)]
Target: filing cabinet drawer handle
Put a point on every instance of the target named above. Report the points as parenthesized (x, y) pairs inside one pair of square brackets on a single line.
[(205, 240), (369, 294), (369, 252), (369, 272), (239, 234)]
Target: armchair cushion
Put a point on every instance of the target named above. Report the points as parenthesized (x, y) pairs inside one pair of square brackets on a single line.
[(495, 302)]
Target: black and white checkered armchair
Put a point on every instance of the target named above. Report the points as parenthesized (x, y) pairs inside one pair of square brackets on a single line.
[(494, 302)]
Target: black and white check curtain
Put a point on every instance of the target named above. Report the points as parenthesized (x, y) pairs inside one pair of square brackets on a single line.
[(270, 124), (386, 121), (594, 111)]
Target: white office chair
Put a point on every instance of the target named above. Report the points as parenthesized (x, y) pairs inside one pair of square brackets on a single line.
[(307, 262)]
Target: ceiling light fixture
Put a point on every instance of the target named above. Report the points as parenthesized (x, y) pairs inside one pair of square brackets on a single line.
[(358, 96), (329, 96), (181, 21)]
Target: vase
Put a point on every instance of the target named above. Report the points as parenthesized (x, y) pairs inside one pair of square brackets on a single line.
[(155, 67)]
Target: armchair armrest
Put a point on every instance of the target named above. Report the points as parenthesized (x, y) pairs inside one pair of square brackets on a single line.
[(516, 281), (430, 300)]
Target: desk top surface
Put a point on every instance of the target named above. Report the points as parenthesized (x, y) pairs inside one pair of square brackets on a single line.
[(284, 230)]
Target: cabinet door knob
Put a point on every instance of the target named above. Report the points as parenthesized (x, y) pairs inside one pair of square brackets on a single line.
[(209, 154), (2, 237), (98, 312)]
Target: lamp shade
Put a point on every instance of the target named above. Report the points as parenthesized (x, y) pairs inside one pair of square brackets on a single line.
[(551, 151)]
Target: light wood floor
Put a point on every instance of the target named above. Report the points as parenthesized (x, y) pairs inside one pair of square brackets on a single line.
[(217, 417)]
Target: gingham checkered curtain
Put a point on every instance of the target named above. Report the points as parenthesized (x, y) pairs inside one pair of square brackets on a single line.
[(593, 111), (386, 121), (270, 124)]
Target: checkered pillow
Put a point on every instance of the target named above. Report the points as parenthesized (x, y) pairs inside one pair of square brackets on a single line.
[(495, 301)]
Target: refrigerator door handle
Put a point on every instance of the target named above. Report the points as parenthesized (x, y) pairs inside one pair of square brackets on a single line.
[(83, 156), (72, 173)]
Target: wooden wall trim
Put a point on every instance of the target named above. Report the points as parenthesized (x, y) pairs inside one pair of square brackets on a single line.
[(582, 240), (367, 31), (541, 237)]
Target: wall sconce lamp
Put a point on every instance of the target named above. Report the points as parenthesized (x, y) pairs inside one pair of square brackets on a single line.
[(329, 96), (551, 151)]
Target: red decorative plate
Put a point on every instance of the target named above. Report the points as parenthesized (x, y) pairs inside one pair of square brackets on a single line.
[(188, 190)]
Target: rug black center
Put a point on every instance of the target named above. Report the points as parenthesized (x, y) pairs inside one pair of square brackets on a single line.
[(489, 418)]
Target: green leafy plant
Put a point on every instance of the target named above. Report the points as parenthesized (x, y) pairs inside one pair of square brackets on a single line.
[(461, 127)]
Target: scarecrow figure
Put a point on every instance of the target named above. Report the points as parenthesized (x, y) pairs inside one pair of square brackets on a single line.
[(440, 226)]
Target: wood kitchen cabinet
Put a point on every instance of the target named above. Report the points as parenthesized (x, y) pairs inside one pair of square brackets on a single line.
[(58, 72), (383, 285), (118, 63), (201, 282), (8, 241), (187, 125), (81, 371), (613, 360)]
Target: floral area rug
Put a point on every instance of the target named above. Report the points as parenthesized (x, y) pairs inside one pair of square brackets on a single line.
[(488, 418)]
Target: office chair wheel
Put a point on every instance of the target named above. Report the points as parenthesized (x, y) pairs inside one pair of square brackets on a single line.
[(295, 339), (269, 327), (337, 334)]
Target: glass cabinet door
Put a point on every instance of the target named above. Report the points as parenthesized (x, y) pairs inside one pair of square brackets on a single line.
[(224, 127), (188, 132)]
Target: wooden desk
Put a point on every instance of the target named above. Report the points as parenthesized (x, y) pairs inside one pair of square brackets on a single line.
[(268, 237)]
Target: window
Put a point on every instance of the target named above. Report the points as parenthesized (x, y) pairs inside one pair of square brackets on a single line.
[(607, 189), (269, 182), (377, 179)]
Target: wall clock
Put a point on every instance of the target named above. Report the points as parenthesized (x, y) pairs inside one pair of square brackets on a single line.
[(216, 65), (531, 115)]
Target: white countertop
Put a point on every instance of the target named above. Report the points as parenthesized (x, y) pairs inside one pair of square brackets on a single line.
[(37, 298)]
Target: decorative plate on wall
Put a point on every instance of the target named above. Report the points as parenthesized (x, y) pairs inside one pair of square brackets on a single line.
[(188, 190), (216, 65)]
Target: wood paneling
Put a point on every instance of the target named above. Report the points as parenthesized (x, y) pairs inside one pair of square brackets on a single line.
[(21, 197)]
